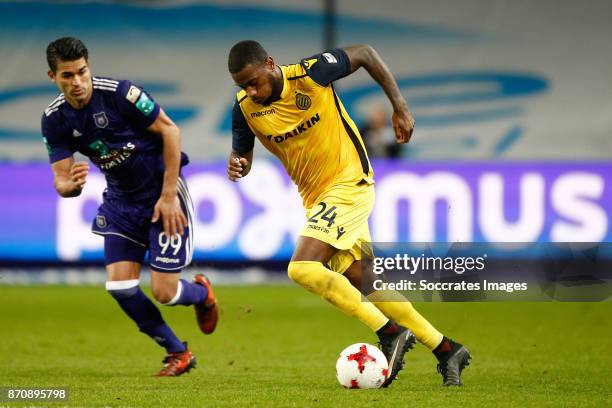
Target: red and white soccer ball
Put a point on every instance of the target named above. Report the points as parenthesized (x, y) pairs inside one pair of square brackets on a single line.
[(362, 365)]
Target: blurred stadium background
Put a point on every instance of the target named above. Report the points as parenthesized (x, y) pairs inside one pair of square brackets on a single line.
[(513, 143), (512, 103)]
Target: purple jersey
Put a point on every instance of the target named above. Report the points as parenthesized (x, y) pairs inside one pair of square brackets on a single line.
[(111, 131)]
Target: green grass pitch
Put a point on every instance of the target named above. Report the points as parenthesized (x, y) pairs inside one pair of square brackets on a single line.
[(277, 346)]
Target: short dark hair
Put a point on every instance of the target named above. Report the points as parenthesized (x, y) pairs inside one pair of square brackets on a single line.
[(244, 53), (65, 49)]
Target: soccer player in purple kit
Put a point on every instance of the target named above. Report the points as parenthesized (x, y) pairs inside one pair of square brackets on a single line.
[(146, 205)]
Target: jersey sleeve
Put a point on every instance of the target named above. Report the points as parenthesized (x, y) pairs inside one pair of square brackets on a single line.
[(243, 138), (136, 105), (328, 66), (56, 140)]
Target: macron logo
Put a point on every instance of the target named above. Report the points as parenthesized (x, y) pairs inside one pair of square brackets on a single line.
[(263, 113), (329, 58)]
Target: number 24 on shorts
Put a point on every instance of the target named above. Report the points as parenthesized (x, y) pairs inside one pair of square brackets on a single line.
[(325, 214)]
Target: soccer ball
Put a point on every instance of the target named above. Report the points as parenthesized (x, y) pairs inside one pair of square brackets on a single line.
[(362, 365)]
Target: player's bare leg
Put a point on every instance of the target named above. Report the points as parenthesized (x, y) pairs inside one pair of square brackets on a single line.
[(122, 271), (169, 290), (452, 356), (311, 249), (164, 286), (124, 285)]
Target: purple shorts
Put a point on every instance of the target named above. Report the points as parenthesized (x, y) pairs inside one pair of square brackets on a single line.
[(129, 234)]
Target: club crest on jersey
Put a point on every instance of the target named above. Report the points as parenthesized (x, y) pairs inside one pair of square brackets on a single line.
[(302, 101), (101, 221), (100, 119)]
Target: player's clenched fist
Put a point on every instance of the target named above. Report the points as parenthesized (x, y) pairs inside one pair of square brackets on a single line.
[(78, 173), (403, 125), (236, 167)]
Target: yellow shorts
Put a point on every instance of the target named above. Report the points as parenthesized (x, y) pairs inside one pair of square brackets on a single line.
[(340, 218)]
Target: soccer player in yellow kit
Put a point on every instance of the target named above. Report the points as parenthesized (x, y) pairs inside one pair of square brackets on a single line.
[(295, 113)]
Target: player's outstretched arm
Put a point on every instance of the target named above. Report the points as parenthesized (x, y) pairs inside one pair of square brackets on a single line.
[(69, 176), (239, 165), (243, 143), (168, 206), (367, 57)]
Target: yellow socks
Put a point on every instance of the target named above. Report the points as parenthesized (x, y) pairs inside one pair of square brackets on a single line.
[(397, 308), (337, 290)]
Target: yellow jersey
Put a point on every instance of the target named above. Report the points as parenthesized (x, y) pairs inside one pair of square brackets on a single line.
[(308, 128)]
